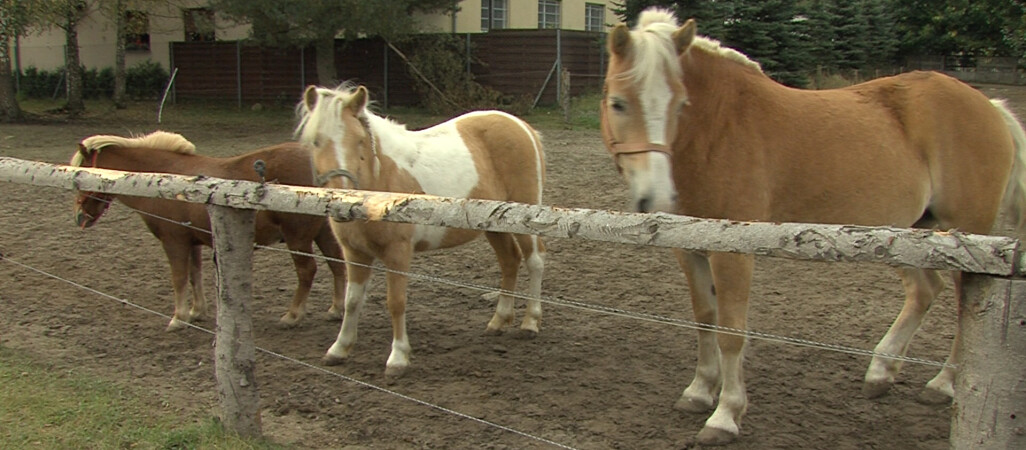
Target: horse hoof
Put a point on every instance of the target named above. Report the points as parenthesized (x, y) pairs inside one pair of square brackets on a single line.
[(393, 373), (332, 360), (692, 406), (715, 436), (288, 321), (493, 331), (875, 389), (929, 396), (333, 315), (176, 325)]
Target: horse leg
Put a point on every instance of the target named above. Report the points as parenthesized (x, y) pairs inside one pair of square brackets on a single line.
[(306, 269), (534, 259), (397, 259), (357, 276), (700, 395), (333, 252), (178, 259), (732, 276), (199, 298), (509, 256), (941, 389), (921, 287)]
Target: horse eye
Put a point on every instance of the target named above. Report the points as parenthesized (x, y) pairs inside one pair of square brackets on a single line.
[(619, 106)]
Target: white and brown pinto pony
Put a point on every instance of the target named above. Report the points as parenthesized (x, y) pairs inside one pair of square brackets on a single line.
[(699, 129), (485, 155)]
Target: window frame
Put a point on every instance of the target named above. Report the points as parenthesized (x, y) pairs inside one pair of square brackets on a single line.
[(545, 15), (489, 21)]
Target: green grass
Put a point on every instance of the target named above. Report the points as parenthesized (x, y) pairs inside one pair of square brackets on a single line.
[(583, 114), (42, 406)]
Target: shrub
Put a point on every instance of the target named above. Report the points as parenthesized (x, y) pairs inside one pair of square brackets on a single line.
[(35, 83), (145, 80), (440, 59)]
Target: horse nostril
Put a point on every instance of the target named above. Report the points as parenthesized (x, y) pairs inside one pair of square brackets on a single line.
[(644, 205)]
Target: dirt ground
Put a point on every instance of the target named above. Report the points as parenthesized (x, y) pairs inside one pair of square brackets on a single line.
[(588, 381)]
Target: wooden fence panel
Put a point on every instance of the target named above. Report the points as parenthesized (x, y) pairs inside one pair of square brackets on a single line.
[(513, 62)]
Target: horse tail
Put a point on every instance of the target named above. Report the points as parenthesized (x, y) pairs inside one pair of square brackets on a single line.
[(1015, 193)]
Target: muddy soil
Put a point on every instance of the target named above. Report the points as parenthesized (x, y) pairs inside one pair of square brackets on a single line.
[(587, 381)]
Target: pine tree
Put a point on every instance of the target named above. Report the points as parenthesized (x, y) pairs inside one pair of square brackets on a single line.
[(851, 28), (773, 33)]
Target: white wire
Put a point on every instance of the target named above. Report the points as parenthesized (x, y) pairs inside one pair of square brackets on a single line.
[(580, 305), (296, 361)]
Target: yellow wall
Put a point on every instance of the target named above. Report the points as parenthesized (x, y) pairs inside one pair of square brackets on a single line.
[(522, 14), (44, 49)]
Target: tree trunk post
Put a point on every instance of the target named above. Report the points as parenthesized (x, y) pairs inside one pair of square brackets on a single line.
[(235, 352), (989, 410), (564, 91)]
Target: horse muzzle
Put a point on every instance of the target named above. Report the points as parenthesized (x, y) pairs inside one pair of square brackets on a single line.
[(84, 220)]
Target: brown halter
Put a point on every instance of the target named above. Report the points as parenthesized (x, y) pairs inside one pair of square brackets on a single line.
[(625, 148)]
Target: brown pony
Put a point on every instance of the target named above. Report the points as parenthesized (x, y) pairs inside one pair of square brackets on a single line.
[(485, 154), (681, 114), (166, 152)]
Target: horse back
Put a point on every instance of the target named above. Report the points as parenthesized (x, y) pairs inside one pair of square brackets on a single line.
[(508, 155), (286, 163), (963, 139)]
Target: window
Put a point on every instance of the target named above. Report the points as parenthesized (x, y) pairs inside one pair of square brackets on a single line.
[(594, 17), (493, 14), (199, 24), (137, 31), (548, 14)]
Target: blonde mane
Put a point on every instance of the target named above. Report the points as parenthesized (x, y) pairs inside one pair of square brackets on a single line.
[(158, 140), (654, 48)]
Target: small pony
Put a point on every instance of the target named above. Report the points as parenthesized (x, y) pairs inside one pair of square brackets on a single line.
[(683, 114), (164, 152), (484, 155)]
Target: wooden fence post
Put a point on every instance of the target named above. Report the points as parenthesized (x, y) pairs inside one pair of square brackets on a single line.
[(235, 352), (990, 388), (564, 91)]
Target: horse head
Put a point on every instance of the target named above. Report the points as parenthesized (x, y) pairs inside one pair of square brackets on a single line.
[(89, 206), (333, 122), (644, 95)]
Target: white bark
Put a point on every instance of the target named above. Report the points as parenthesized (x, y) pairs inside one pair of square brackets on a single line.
[(235, 351), (989, 411), (947, 250)]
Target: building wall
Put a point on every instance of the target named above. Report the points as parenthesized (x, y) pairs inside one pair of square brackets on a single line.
[(44, 49), (522, 14)]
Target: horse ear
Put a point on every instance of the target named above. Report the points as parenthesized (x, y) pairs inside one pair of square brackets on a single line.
[(359, 100), (619, 40), (310, 97), (685, 35)]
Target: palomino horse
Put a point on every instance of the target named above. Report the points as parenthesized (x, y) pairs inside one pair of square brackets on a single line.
[(163, 152), (484, 155), (682, 114)]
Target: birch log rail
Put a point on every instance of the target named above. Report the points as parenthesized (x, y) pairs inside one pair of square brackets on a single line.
[(990, 399), (943, 250)]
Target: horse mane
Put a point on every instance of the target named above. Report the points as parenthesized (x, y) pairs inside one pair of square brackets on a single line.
[(654, 45), (158, 140), (327, 114)]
